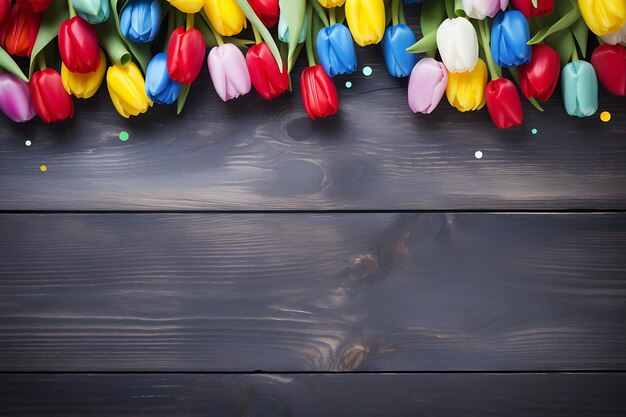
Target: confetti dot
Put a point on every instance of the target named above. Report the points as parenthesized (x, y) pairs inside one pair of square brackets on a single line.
[(367, 71), (478, 154), (27, 143), (348, 84), (43, 168), (124, 136), (605, 116), (534, 131)]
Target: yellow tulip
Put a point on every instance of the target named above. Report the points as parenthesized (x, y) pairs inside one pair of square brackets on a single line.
[(603, 16), (84, 85), (187, 6), (331, 3), (366, 20), (127, 89), (466, 90), (225, 16)]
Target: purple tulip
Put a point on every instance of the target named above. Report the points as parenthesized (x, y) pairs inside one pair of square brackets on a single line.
[(15, 98), (427, 85), (229, 71)]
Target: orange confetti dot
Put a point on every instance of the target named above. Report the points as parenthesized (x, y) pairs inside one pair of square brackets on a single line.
[(43, 168)]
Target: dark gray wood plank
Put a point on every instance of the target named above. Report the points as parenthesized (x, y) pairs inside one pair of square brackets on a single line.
[(388, 395), (375, 154), (312, 292)]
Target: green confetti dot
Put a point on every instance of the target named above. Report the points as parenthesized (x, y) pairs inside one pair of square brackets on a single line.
[(348, 84), (534, 131), (367, 71), (124, 136)]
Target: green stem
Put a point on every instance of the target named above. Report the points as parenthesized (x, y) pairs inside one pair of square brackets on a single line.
[(575, 54), (190, 20), (257, 36), (332, 15), (449, 8), (486, 41), (218, 37), (70, 6), (171, 24), (395, 12), (41, 62), (309, 38), (402, 16)]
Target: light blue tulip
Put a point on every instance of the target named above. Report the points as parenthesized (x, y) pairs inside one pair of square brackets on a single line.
[(580, 89), (283, 30), (93, 11), (160, 88), (140, 20)]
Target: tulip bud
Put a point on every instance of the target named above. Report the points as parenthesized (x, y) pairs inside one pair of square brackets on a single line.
[(50, 100), (187, 6), (36, 6), (225, 16), (266, 10), (160, 88), (539, 77), (19, 31), (331, 3), (366, 20), (78, 45), (503, 103), (185, 54), (427, 85), (5, 7), (397, 39), (509, 39), (480, 9), (580, 89), (319, 94), (614, 38), (229, 72), (335, 49), (140, 20), (268, 80), (466, 90), (458, 44), (15, 99), (603, 16), (93, 11), (283, 30), (609, 61), (544, 7), (127, 89), (84, 85)]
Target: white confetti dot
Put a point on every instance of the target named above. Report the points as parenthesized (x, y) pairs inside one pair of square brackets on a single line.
[(27, 143), (478, 154)]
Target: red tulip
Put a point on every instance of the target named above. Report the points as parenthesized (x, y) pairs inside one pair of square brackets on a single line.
[(78, 45), (267, 78), (5, 6), (539, 77), (609, 61), (20, 29), (319, 94), (544, 7), (50, 100), (185, 54), (503, 103), (267, 10), (37, 5)]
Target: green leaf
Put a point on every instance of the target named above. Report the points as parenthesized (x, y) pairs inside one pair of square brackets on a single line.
[(265, 34), (51, 20), (427, 43), (10, 65), (182, 98), (581, 34), (563, 43), (113, 43), (142, 53), (321, 12), (569, 13), (433, 13), (293, 12), (317, 26)]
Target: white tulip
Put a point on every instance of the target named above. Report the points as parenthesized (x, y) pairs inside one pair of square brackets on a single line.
[(458, 44), (480, 9), (616, 37)]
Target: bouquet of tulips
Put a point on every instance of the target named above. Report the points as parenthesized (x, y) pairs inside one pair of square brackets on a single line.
[(151, 51)]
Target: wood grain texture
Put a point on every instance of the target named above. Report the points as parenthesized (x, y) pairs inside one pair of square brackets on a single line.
[(312, 292), (384, 395)]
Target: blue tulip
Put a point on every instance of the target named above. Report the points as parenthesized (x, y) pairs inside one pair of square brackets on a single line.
[(509, 39), (580, 89), (140, 20), (335, 49), (399, 62), (93, 11), (160, 88)]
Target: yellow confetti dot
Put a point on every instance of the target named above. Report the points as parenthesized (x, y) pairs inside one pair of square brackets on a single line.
[(43, 168), (605, 116)]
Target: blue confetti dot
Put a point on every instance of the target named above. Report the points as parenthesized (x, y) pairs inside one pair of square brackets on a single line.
[(348, 84), (367, 71), (534, 131)]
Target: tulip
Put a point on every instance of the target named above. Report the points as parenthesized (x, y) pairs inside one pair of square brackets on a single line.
[(509, 39), (84, 85), (609, 62), (366, 20), (319, 94), (466, 90), (160, 88), (268, 80), (93, 11), (266, 10), (283, 30), (335, 49), (580, 89), (544, 7), (127, 90), (140, 20), (397, 39), (5, 7), (331, 3), (36, 6), (229, 72), (19, 31), (225, 16), (185, 54), (78, 45), (187, 6), (427, 85), (603, 16), (503, 103), (539, 77), (458, 44), (50, 100), (480, 9), (15, 99), (614, 38)]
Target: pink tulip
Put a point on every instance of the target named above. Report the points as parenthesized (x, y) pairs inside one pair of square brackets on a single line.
[(229, 71), (15, 98), (480, 9), (427, 85)]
